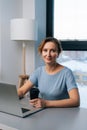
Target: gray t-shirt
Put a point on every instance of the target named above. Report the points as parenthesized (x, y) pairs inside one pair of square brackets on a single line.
[(55, 86)]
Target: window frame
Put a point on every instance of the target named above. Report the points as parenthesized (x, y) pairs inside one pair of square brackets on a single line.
[(67, 45)]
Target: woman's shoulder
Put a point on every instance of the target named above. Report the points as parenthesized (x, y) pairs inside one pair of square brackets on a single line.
[(37, 72), (39, 69), (66, 70)]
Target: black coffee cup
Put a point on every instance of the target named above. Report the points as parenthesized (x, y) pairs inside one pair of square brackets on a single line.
[(34, 92)]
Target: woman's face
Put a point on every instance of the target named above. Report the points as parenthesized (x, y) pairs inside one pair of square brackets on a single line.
[(49, 53)]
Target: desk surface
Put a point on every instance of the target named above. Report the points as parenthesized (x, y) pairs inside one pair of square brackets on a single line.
[(49, 119)]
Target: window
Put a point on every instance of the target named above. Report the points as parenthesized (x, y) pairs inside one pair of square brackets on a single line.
[(70, 19), (77, 62), (66, 20)]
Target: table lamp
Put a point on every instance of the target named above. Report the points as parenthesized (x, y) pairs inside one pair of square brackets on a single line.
[(23, 30)]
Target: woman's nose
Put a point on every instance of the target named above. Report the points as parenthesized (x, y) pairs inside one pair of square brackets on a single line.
[(48, 53)]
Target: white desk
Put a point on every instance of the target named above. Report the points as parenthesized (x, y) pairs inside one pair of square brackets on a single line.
[(49, 119)]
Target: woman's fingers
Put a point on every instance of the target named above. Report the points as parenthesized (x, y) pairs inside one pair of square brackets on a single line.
[(36, 103)]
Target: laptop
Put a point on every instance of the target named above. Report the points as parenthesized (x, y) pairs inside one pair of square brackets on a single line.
[(11, 104)]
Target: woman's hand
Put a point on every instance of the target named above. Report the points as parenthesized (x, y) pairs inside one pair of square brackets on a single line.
[(38, 103)]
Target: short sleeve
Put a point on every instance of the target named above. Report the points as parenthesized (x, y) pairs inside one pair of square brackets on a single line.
[(70, 80), (34, 77)]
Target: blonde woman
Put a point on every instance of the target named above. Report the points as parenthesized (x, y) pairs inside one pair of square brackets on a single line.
[(55, 82)]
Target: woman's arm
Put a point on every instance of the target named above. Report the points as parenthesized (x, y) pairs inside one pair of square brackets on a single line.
[(25, 88), (73, 101)]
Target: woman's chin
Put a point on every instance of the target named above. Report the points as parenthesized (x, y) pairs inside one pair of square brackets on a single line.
[(49, 62)]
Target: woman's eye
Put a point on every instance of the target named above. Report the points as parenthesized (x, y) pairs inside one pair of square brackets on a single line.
[(45, 50), (53, 50)]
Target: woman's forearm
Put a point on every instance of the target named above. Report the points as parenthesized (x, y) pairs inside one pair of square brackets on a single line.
[(62, 103), (25, 88)]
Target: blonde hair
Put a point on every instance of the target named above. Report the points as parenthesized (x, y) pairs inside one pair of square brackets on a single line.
[(50, 39)]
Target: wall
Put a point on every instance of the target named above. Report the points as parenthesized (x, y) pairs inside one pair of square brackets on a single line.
[(11, 51), (29, 12), (0, 42), (40, 15), (35, 10)]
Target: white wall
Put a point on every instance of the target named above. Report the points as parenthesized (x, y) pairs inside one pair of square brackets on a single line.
[(35, 9), (29, 12), (11, 51), (29, 9)]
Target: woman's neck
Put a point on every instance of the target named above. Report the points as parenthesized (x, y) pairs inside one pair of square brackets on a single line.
[(51, 68)]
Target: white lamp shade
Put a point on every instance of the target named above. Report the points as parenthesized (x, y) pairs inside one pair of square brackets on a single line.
[(23, 29)]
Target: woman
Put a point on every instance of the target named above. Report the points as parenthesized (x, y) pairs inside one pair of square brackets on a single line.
[(56, 82)]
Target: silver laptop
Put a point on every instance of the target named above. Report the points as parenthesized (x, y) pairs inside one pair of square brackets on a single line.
[(11, 104)]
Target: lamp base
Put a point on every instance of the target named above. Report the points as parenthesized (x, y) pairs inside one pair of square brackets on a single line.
[(22, 79)]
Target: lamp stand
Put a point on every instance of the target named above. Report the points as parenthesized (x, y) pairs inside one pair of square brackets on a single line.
[(23, 77)]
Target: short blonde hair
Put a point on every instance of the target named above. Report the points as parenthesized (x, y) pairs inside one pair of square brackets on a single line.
[(50, 39)]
